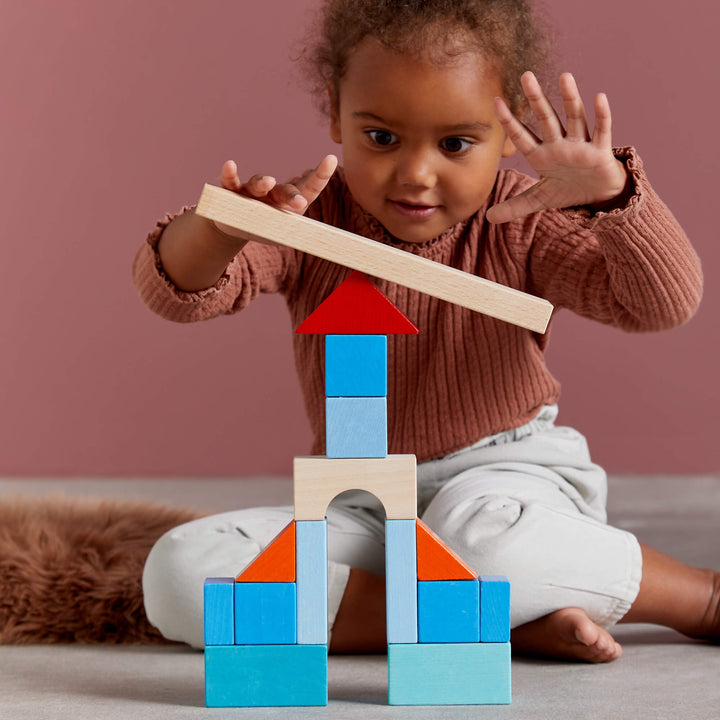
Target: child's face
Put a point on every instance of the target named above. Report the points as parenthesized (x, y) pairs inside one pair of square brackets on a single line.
[(421, 143)]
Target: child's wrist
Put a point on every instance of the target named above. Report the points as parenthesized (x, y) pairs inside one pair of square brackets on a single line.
[(620, 199)]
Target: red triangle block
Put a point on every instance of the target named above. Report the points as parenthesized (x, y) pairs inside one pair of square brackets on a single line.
[(276, 563), (436, 561), (357, 307)]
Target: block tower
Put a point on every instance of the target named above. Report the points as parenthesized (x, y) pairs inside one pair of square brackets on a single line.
[(448, 630)]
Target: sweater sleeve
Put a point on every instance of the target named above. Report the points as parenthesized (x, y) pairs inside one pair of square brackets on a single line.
[(632, 267), (258, 268)]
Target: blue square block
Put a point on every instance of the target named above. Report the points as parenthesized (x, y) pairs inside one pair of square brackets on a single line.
[(219, 611), (449, 611), (401, 581), (356, 427), (266, 675), (494, 609), (356, 365), (265, 613)]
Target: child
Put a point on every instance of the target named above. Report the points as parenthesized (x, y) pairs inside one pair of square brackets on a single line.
[(423, 98)]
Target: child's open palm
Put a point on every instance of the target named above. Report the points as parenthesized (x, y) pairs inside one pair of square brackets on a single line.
[(574, 167)]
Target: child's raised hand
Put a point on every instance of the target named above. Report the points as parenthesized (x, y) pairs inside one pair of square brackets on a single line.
[(574, 167)]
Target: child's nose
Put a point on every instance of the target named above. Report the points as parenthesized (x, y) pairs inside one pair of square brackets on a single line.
[(415, 168)]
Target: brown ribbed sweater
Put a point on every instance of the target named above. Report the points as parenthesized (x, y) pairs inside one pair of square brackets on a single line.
[(465, 375)]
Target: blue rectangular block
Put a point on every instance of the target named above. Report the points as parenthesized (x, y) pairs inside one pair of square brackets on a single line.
[(494, 609), (356, 427), (265, 675), (454, 674), (311, 578), (265, 613), (219, 611), (401, 581), (449, 611), (355, 365)]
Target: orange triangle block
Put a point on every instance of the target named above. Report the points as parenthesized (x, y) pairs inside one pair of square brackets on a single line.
[(436, 561), (276, 563), (357, 307)]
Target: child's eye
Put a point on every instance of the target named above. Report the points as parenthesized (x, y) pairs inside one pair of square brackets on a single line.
[(455, 144), (381, 137)]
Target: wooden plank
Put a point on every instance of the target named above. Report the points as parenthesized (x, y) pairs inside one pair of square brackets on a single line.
[(258, 220)]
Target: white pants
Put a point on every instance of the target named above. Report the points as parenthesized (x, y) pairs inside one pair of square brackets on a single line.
[(527, 503)]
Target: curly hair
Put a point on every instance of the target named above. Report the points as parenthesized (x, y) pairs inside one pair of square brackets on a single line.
[(507, 32)]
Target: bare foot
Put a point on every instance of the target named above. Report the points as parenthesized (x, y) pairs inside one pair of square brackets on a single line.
[(567, 634)]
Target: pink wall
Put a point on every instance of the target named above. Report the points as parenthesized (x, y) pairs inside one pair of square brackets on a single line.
[(113, 113)]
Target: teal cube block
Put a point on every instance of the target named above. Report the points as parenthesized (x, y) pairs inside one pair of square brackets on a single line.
[(449, 674), (449, 611), (494, 609), (265, 613), (356, 427), (265, 675), (356, 365), (219, 611)]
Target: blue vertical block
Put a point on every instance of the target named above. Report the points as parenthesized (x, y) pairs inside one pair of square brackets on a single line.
[(311, 579), (401, 581), (356, 427), (449, 611), (265, 613), (219, 611), (356, 365), (494, 609)]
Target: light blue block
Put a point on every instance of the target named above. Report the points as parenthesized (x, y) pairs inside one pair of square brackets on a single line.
[(449, 611), (356, 427), (265, 613), (494, 609), (449, 674), (356, 365), (401, 581), (219, 612), (311, 579), (266, 675)]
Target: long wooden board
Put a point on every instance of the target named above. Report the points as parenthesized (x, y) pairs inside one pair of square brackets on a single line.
[(257, 220)]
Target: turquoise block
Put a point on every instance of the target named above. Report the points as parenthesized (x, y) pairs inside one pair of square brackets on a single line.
[(494, 609), (219, 612), (265, 675), (401, 581), (355, 365), (311, 580), (356, 427), (448, 611), (265, 613), (449, 674)]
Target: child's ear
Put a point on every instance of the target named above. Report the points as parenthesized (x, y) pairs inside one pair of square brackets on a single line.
[(334, 104)]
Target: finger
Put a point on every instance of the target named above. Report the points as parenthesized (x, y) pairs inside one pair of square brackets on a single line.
[(288, 196), (576, 127), (259, 186), (548, 121), (314, 182), (602, 136), (519, 206), (229, 178), (524, 140)]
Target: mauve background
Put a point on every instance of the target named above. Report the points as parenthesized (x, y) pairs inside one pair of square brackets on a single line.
[(113, 113)]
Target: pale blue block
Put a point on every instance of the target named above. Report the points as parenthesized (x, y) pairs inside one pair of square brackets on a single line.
[(266, 675), (265, 613), (356, 427), (219, 613), (494, 609), (449, 674), (448, 611), (401, 581), (356, 365), (311, 579)]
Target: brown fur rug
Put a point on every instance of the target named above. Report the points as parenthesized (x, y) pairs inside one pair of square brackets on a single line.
[(71, 569)]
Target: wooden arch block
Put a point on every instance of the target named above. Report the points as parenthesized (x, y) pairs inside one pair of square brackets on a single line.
[(436, 561), (276, 563)]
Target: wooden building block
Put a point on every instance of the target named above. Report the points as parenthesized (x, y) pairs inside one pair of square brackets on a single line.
[(356, 427), (312, 613), (317, 480), (467, 674), (356, 306), (401, 581), (265, 613), (356, 365), (449, 611), (494, 609), (260, 221), (276, 563), (266, 675), (436, 561), (219, 611)]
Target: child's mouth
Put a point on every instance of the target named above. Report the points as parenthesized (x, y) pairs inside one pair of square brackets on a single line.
[(414, 210)]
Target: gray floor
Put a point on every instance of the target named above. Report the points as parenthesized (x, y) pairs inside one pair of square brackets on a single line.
[(661, 675)]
